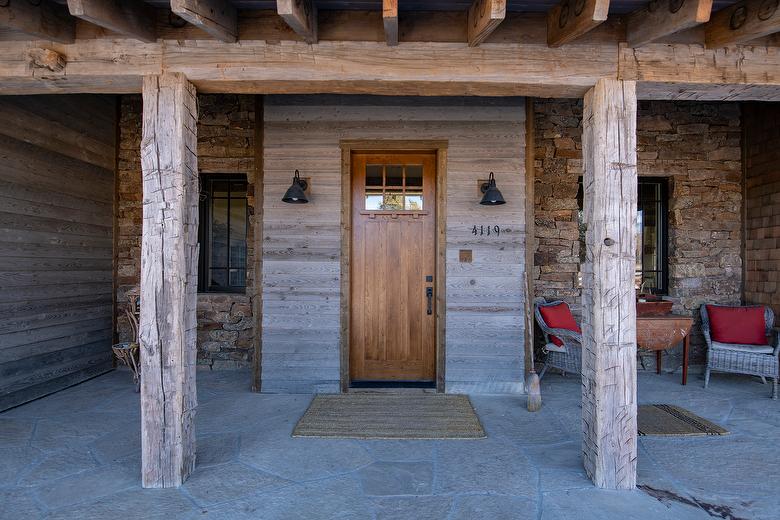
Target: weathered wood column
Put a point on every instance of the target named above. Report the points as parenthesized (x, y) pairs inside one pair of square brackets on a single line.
[(169, 267), (608, 308)]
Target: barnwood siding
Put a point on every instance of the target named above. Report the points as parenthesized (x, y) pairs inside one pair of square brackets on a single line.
[(302, 243), (56, 218)]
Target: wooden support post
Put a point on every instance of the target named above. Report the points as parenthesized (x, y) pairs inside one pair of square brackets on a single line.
[(169, 271), (608, 308)]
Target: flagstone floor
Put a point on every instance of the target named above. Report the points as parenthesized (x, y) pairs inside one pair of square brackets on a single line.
[(75, 455)]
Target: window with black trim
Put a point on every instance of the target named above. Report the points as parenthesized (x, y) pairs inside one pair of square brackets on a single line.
[(652, 260), (222, 232)]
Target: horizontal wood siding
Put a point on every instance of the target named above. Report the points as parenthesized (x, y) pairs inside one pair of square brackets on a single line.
[(56, 242), (302, 243)]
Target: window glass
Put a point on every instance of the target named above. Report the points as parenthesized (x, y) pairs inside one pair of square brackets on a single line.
[(394, 187), (222, 234)]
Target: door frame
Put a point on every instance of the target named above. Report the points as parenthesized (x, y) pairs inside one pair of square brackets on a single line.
[(439, 147)]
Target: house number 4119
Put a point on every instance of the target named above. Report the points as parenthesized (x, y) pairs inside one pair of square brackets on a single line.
[(486, 230)]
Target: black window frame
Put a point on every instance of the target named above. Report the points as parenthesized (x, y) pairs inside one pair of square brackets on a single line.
[(204, 232), (663, 229)]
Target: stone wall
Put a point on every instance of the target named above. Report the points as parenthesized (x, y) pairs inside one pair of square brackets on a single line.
[(762, 201), (696, 146), (225, 145)]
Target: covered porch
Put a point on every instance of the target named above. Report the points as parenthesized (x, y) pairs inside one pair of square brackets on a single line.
[(76, 454), (162, 196)]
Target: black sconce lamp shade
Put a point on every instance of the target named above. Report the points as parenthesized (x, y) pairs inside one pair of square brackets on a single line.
[(492, 196), (295, 193)]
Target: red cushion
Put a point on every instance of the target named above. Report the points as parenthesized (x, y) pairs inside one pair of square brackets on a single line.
[(558, 317), (743, 325)]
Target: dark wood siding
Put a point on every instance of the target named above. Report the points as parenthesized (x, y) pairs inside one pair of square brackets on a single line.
[(57, 162)]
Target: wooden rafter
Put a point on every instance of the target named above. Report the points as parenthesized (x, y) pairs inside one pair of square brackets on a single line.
[(390, 21), (484, 17), (301, 16), (664, 17), (127, 17), (571, 19), (216, 17), (45, 20), (742, 22)]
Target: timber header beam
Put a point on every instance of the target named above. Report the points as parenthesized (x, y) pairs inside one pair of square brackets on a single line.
[(484, 17), (571, 19), (659, 19)]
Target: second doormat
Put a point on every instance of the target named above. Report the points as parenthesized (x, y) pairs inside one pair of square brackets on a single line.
[(673, 421), (390, 416)]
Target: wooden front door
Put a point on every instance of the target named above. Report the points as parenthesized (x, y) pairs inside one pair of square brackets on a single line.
[(393, 264)]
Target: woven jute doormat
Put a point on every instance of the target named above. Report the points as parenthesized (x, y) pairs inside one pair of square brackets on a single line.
[(390, 416), (673, 421)]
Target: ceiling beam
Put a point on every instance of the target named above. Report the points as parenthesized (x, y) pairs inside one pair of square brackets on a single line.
[(216, 17), (127, 17), (664, 17), (301, 16), (390, 20), (571, 19), (484, 17), (741, 22), (45, 21)]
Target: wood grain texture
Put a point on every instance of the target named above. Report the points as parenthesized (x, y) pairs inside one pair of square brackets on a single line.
[(301, 16), (569, 20), (652, 23), (302, 244), (390, 21), (44, 19), (484, 17), (742, 22), (169, 270), (56, 215), (608, 296), (216, 17), (126, 17)]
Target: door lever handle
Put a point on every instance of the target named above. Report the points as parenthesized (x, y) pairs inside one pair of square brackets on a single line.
[(429, 295)]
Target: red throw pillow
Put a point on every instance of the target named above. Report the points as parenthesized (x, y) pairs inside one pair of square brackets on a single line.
[(743, 325), (558, 317)]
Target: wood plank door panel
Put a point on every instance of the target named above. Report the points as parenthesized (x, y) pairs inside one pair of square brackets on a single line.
[(392, 334)]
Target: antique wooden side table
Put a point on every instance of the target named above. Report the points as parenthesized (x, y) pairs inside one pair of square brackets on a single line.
[(659, 333)]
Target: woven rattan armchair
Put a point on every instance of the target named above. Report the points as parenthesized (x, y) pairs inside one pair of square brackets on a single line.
[(757, 360), (567, 357)]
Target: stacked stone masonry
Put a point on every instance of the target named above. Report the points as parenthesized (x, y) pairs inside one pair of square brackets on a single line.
[(697, 146), (762, 204), (226, 332)]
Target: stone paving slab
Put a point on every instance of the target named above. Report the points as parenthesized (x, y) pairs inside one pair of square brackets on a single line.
[(76, 455)]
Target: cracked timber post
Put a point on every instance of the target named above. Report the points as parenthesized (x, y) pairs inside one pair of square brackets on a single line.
[(609, 405), (169, 266)]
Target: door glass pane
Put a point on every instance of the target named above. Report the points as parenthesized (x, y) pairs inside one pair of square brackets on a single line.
[(374, 175), (414, 175), (394, 175), (413, 201), (394, 200), (374, 200), (219, 233)]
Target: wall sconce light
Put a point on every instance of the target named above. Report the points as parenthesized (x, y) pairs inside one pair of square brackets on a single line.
[(295, 193), (492, 196)]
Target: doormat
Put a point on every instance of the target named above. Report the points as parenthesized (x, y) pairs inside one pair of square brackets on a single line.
[(672, 421), (390, 416)]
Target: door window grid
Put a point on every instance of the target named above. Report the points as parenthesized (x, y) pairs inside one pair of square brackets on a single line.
[(393, 187)]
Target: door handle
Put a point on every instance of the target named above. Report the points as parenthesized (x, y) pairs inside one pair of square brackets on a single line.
[(429, 295)]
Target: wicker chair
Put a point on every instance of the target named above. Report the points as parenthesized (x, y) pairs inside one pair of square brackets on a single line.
[(567, 357), (757, 360)]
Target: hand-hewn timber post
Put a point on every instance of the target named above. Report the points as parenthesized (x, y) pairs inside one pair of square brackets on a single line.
[(608, 308), (169, 267)]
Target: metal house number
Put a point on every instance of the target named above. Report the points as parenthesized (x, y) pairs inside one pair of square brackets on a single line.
[(486, 230)]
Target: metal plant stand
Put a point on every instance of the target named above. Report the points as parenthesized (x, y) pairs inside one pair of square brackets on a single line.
[(127, 353)]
